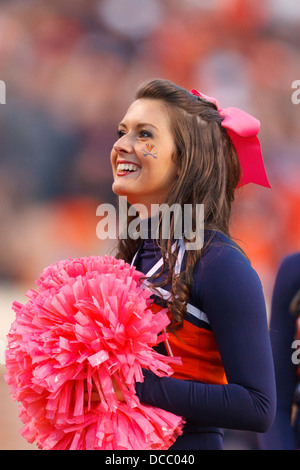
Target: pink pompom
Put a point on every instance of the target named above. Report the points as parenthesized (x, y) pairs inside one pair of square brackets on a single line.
[(89, 320)]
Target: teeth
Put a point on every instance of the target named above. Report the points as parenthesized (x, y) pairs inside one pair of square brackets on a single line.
[(127, 167)]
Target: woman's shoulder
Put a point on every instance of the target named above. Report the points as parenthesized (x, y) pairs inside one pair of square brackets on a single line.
[(224, 272), (290, 264), (287, 280), (220, 248), (223, 261)]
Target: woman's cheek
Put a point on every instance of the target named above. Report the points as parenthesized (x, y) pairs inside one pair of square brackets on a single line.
[(150, 151)]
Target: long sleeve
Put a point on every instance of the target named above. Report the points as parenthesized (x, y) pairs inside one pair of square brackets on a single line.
[(229, 291), (281, 436)]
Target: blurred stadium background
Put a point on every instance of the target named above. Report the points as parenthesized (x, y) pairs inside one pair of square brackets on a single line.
[(71, 70)]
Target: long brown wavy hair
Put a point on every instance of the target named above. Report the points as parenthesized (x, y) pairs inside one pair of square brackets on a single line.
[(209, 173)]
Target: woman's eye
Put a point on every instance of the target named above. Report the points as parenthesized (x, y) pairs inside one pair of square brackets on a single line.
[(120, 133), (146, 134), (142, 134)]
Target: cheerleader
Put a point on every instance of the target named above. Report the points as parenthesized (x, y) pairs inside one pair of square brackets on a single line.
[(180, 147), (285, 334)]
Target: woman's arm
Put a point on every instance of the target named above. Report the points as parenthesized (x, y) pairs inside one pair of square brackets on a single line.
[(230, 293)]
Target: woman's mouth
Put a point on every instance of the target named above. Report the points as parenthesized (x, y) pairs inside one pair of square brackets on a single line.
[(126, 169)]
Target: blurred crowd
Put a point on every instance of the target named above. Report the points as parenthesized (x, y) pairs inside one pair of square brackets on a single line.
[(71, 70)]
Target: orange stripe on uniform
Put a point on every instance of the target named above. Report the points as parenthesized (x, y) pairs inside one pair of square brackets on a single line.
[(199, 354)]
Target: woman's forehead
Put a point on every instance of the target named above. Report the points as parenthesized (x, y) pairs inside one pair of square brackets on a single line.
[(146, 111)]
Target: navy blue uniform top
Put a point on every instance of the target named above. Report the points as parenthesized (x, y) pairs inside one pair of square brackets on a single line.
[(282, 435), (230, 293)]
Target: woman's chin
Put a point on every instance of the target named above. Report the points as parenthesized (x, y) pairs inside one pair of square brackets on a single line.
[(120, 189)]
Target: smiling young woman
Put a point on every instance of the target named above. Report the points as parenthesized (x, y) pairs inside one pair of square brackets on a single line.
[(176, 146)]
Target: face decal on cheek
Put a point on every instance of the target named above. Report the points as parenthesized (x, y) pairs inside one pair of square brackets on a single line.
[(149, 151)]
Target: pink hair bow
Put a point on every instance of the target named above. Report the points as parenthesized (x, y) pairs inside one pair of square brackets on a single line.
[(242, 128)]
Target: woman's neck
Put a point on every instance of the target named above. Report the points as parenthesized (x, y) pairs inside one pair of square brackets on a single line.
[(149, 227)]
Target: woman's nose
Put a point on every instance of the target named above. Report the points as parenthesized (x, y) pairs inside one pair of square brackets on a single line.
[(123, 144)]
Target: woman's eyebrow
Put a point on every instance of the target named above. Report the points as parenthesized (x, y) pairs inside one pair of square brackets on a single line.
[(139, 125)]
